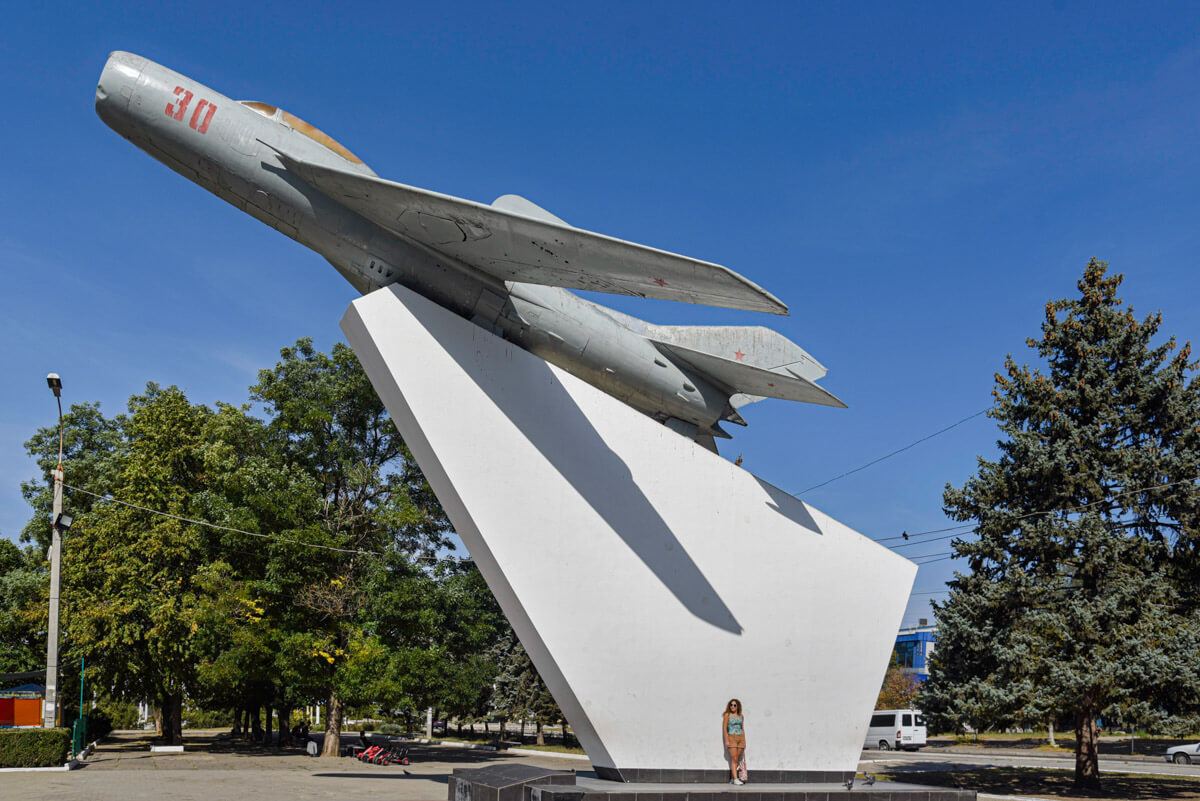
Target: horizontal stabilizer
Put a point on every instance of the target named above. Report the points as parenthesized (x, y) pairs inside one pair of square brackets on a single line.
[(515, 240), (739, 377), (753, 345), (756, 347)]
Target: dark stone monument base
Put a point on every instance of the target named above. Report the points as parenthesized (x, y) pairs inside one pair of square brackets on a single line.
[(718, 776), (529, 783), (503, 782), (600, 790)]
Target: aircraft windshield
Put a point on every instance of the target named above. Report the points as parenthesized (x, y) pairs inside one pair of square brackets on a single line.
[(300, 126)]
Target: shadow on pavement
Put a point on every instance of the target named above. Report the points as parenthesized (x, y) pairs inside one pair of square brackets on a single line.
[(1044, 782)]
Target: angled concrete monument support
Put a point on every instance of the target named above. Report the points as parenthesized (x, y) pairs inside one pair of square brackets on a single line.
[(649, 579)]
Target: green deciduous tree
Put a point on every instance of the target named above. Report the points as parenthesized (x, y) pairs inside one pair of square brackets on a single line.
[(140, 584), (373, 504), (254, 557), (899, 690), (23, 582), (1081, 597)]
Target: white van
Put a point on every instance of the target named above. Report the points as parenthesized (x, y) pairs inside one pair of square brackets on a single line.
[(901, 729)]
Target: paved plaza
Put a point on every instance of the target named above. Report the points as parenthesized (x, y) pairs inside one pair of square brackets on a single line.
[(213, 768)]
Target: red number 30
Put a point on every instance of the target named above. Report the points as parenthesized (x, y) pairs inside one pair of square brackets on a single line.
[(177, 109)]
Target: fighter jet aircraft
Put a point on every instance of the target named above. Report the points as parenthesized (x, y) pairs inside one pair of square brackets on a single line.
[(505, 266)]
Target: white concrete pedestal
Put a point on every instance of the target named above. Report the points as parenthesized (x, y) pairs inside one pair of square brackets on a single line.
[(649, 579)]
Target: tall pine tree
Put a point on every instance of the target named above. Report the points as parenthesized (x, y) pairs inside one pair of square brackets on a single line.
[(1081, 597)]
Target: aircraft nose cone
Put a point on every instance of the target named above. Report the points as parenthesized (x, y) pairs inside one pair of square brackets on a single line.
[(117, 81)]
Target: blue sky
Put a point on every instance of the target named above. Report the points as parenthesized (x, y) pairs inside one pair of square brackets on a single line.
[(914, 181)]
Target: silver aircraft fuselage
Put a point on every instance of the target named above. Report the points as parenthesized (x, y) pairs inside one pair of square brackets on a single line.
[(233, 149)]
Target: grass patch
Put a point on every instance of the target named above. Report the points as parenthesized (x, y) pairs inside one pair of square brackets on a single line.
[(1114, 746), (1057, 784), (471, 740)]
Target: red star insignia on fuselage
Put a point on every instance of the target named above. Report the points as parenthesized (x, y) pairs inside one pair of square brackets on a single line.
[(660, 282), (739, 355)]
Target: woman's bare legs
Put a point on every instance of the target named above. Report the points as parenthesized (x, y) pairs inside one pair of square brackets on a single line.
[(735, 756)]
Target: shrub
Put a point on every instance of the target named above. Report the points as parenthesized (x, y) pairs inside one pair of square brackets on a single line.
[(99, 724), (34, 748), (196, 718), (122, 714), (391, 729)]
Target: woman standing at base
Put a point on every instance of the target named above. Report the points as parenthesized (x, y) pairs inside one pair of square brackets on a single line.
[(733, 730)]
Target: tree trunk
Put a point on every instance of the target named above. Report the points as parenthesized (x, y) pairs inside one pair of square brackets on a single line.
[(1050, 732), (541, 737), (237, 722), (256, 729), (177, 721), (1087, 759), (171, 716), (285, 726), (333, 726), (158, 720), (269, 729)]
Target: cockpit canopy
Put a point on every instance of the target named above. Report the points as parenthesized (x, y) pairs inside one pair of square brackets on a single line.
[(300, 126)]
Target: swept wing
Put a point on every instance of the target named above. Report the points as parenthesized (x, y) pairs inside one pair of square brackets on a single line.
[(538, 249)]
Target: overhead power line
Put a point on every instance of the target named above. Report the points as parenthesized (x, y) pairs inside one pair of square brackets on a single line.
[(939, 559), (931, 539), (220, 527), (939, 556), (967, 529), (909, 535), (896, 452)]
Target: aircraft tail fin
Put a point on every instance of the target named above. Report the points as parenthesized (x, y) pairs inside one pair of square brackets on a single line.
[(520, 205)]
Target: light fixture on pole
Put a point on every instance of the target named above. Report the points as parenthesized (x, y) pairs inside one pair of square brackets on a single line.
[(60, 522)]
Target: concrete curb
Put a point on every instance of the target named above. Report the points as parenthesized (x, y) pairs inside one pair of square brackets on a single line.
[(457, 744), (72, 765), (555, 754)]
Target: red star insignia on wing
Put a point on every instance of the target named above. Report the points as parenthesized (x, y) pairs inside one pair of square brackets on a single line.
[(660, 282), (739, 355)]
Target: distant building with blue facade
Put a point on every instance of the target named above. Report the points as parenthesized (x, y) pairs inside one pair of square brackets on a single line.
[(913, 648)]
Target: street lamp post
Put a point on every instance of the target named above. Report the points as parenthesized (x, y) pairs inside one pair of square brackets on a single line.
[(50, 708)]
